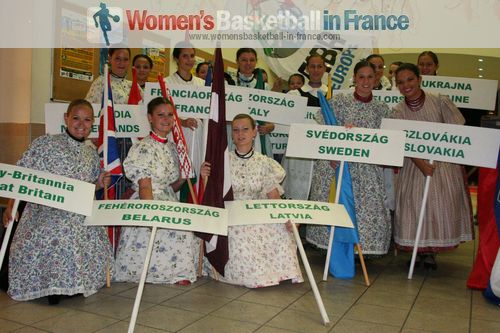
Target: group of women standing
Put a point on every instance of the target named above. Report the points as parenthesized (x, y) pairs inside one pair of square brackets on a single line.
[(54, 254)]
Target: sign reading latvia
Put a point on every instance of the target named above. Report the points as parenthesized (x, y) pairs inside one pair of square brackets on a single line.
[(46, 189), (131, 120), (448, 143), (162, 214), (339, 143), (244, 212)]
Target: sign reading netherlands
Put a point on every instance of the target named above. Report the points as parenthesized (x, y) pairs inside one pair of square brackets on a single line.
[(194, 101), (162, 214), (131, 120), (244, 212), (355, 144), (448, 143), (46, 189)]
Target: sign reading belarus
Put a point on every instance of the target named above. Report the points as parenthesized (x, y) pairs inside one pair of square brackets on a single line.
[(162, 214), (194, 101), (46, 189), (243, 212), (355, 144), (131, 120), (448, 143)]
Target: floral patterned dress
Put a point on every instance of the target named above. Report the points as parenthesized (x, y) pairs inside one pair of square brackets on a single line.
[(53, 252), (373, 218), (259, 255), (174, 251)]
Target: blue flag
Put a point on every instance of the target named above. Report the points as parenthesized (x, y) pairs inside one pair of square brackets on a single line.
[(342, 259), (208, 78)]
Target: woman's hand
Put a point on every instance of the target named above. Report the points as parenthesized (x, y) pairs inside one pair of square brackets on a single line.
[(7, 214), (425, 167), (176, 186), (266, 128), (205, 170), (104, 180), (289, 225), (189, 123), (334, 164)]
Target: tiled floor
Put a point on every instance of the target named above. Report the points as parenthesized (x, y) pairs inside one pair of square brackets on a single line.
[(435, 301)]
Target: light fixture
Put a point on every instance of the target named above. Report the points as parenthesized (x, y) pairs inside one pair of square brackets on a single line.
[(480, 60), (479, 76), (480, 69)]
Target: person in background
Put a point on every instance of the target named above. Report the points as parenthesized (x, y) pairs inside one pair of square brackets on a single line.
[(381, 82), (447, 220), (296, 81), (202, 70), (316, 68), (260, 255), (428, 63), (143, 65), (153, 167), (53, 253), (391, 76), (357, 109)]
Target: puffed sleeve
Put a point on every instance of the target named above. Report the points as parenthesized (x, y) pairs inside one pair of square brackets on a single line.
[(397, 111), (94, 95), (33, 157), (273, 175), (450, 113), (139, 162)]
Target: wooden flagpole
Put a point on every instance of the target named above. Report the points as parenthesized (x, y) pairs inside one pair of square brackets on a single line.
[(420, 224), (6, 236)]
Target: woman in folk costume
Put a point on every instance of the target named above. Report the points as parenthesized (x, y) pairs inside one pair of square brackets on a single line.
[(357, 109), (447, 221), (265, 254), (153, 167)]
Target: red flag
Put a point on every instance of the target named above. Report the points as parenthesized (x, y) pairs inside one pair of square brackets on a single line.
[(218, 188), (134, 96), (178, 135)]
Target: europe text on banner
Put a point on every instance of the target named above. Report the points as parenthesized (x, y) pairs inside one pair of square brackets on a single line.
[(162, 214), (46, 189), (218, 188)]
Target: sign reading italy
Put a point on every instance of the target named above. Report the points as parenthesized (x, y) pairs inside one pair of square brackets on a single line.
[(46, 189), (243, 212), (448, 143), (355, 144), (162, 214), (131, 120)]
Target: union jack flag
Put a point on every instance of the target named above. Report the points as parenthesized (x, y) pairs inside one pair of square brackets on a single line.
[(186, 167), (107, 145)]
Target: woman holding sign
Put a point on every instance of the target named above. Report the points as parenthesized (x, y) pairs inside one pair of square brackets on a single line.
[(264, 254), (153, 167), (52, 252), (358, 109), (447, 220)]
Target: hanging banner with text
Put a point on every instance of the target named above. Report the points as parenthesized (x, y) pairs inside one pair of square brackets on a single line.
[(162, 214), (362, 145), (131, 120), (194, 102), (448, 143), (244, 212), (46, 189)]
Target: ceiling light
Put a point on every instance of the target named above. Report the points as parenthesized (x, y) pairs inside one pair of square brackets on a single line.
[(479, 75), (480, 60), (480, 69)]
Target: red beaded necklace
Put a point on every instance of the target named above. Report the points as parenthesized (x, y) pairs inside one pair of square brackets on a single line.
[(158, 138), (416, 104), (362, 99)]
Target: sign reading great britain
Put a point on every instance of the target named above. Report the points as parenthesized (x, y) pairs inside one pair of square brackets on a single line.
[(448, 143), (46, 189)]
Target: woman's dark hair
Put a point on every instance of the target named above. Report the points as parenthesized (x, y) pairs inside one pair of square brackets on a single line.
[(178, 48), (431, 54), (315, 56), (155, 102), (397, 63), (79, 102), (229, 79), (409, 67), (113, 50), (363, 63), (198, 67), (373, 56), (245, 116), (300, 76), (245, 50), (150, 61)]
